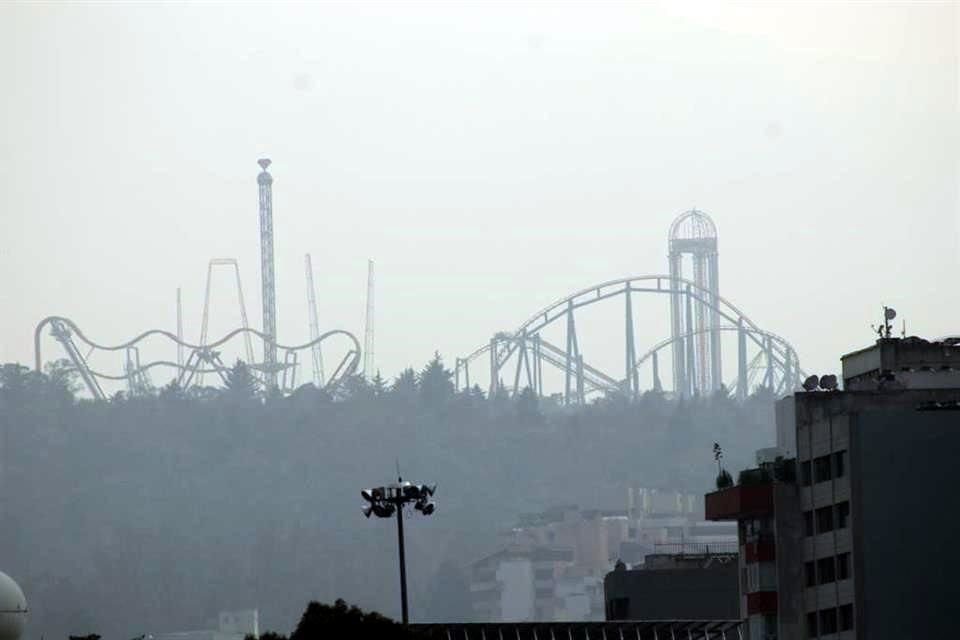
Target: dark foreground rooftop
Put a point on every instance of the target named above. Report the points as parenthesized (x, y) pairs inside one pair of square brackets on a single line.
[(619, 630)]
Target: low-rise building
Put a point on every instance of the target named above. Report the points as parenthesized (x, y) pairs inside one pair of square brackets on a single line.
[(688, 586)]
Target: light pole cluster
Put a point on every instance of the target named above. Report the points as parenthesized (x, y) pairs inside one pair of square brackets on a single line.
[(383, 502)]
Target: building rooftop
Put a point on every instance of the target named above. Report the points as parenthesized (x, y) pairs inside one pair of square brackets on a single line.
[(906, 363)]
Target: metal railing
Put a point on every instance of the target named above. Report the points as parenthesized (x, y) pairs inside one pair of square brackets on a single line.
[(696, 548)]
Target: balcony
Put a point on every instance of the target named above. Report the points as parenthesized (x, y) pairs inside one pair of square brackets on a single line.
[(741, 501)]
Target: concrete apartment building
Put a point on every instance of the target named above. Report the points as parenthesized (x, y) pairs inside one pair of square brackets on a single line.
[(847, 528), (552, 565)]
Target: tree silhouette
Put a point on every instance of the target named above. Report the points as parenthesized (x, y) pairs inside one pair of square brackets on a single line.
[(240, 383), (322, 622), (435, 383)]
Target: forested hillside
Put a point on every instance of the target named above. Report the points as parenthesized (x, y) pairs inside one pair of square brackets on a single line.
[(150, 514)]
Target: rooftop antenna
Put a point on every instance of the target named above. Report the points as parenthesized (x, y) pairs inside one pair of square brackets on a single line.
[(269, 291), (885, 330), (314, 324), (368, 331)]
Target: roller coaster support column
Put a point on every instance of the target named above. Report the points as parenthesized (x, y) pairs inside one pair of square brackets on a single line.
[(537, 365), (494, 367), (785, 383), (676, 326), (572, 355), (633, 386), (523, 364), (690, 381), (768, 350), (741, 361), (713, 286), (657, 385), (581, 395), (62, 334)]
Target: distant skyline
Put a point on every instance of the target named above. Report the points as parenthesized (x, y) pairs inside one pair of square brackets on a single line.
[(489, 159)]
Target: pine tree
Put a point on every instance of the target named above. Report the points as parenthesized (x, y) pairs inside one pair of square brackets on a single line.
[(241, 384)]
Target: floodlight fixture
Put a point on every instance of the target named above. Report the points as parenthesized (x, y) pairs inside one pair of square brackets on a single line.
[(383, 502)]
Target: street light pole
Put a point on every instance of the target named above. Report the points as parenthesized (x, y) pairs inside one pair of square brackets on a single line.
[(403, 565), (383, 501)]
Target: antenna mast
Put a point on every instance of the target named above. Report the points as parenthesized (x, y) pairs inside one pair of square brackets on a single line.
[(269, 299), (314, 324), (368, 331)]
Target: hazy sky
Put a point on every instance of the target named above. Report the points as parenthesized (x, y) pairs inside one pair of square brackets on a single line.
[(489, 158)]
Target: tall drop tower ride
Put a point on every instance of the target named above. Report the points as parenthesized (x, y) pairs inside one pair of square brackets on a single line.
[(694, 319), (269, 300)]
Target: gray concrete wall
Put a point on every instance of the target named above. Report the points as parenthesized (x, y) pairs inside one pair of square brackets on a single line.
[(788, 523), (906, 522)]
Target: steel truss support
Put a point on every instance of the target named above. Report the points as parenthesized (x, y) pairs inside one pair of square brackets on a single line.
[(632, 375), (691, 371), (742, 390), (574, 361), (680, 384), (65, 338), (316, 351), (247, 343)]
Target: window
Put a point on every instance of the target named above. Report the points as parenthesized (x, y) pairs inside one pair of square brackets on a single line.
[(828, 621), (826, 570), (805, 473), (843, 515), (839, 464), (812, 624), (809, 570), (846, 617), (824, 519), (821, 469), (843, 566), (620, 609), (808, 523)]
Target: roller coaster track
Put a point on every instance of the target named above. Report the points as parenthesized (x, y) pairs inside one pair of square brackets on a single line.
[(204, 358), (782, 371)]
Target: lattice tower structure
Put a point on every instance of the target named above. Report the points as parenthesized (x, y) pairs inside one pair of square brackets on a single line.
[(695, 324), (268, 281)]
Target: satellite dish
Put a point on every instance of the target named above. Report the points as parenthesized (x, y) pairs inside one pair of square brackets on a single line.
[(889, 313), (811, 383), (829, 382)]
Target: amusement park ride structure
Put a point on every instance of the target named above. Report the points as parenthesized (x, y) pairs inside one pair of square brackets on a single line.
[(699, 317), (205, 357)]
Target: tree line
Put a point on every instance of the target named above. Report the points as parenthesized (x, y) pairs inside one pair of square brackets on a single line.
[(152, 513)]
